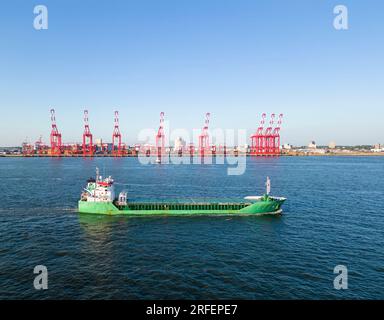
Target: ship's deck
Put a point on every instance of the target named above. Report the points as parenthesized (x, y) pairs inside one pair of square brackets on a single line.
[(184, 206)]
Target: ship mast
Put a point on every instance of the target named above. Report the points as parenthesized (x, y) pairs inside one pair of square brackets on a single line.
[(97, 174), (268, 185)]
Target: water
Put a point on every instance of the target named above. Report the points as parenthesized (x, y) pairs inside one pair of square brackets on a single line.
[(334, 215)]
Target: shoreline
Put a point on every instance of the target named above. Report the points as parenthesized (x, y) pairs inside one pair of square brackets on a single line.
[(352, 154)]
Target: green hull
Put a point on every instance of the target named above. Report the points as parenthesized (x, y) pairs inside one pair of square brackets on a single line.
[(266, 206)]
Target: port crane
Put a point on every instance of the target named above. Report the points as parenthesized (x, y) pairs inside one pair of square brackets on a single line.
[(204, 136), (87, 137), (116, 138), (160, 139), (55, 136)]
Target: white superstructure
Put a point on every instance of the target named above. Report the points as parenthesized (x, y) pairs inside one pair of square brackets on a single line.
[(99, 189)]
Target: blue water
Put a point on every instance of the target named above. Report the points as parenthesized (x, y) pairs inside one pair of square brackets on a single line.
[(334, 215)]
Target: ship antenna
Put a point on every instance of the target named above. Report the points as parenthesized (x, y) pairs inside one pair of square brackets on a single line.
[(268, 185)]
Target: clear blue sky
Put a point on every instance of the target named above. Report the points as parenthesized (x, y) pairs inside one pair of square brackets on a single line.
[(234, 58)]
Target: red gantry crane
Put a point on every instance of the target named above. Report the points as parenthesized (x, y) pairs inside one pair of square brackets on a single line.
[(87, 137), (116, 138), (55, 137), (268, 137), (276, 136), (204, 136), (258, 137), (160, 139)]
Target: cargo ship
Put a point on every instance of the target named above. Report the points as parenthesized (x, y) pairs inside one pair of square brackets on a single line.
[(98, 197)]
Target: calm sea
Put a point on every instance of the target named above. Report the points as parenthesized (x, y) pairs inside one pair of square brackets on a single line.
[(334, 215)]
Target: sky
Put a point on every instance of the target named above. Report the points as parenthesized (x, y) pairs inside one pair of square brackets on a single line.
[(233, 58)]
